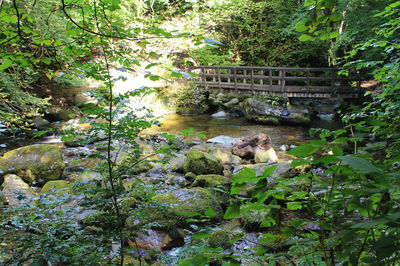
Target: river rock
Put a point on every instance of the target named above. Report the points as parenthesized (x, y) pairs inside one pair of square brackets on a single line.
[(39, 163), (266, 156), (14, 190), (152, 240), (59, 187), (249, 146), (225, 157), (181, 201), (220, 114), (202, 163), (211, 181), (267, 113), (176, 163), (59, 114), (223, 140), (283, 169)]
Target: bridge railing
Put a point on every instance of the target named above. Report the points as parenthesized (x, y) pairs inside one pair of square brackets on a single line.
[(293, 82)]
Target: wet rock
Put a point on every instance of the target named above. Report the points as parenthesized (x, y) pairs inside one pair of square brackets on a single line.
[(223, 140), (181, 201), (190, 176), (270, 114), (202, 163), (87, 180), (40, 122), (194, 109), (249, 146), (39, 163), (211, 181), (220, 114), (84, 98), (176, 163), (152, 240), (14, 190), (268, 156), (59, 114), (177, 180), (59, 187), (219, 239)]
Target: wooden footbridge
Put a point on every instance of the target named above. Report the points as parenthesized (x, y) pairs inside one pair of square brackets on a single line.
[(284, 81)]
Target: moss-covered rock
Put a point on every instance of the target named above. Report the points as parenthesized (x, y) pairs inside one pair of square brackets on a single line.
[(39, 162), (14, 190), (211, 181), (201, 163), (181, 201), (219, 239), (87, 180), (190, 176), (99, 219), (58, 186)]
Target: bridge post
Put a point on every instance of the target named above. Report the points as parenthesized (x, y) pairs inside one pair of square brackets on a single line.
[(219, 77), (203, 72), (270, 79), (252, 80), (235, 77), (308, 81)]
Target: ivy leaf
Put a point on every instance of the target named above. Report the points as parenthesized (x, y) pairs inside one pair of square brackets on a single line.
[(360, 164), (232, 211)]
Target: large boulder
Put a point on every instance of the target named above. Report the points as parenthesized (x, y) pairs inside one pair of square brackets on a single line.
[(193, 200), (201, 163), (14, 190), (211, 181), (267, 113), (249, 146), (39, 163)]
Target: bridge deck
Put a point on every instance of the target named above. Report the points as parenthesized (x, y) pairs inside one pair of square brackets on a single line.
[(291, 82)]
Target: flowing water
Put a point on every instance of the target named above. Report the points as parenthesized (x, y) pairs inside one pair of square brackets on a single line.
[(230, 126)]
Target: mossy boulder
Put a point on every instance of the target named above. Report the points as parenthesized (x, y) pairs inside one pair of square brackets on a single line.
[(211, 181), (201, 163), (14, 190), (87, 180), (219, 239), (193, 200), (59, 187), (39, 163)]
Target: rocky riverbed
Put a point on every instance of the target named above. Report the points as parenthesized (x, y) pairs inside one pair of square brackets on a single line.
[(195, 178)]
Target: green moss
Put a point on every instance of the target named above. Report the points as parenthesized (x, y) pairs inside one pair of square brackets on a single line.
[(211, 181), (190, 176), (197, 200), (128, 204), (59, 186), (34, 163), (219, 239), (202, 163), (99, 219)]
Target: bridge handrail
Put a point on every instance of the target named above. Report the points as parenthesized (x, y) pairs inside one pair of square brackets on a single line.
[(276, 79)]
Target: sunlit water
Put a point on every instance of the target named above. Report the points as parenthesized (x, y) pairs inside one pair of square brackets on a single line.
[(230, 126)]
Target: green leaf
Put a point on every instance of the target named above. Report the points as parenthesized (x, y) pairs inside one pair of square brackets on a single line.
[(201, 235), (306, 37), (303, 150), (335, 17), (337, 151), (210, 213), (295, 205), (360, 164), (6, 63), (244, 175), (232, 211), (301, 27)]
